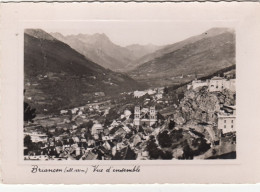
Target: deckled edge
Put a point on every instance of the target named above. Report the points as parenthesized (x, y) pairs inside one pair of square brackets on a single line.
[(122, 1), (1, 129)]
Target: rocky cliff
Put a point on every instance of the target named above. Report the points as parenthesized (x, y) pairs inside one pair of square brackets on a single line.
[(201, 106)]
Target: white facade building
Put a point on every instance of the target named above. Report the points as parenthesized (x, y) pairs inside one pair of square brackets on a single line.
[(138, 94), (227, 122), (219, 84), (146, 116), (198, 83)]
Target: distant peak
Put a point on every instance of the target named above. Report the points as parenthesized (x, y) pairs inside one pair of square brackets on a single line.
[(96, 37), (218, 30), (142, 45), (39, 34), (100, 35), (55, 34)]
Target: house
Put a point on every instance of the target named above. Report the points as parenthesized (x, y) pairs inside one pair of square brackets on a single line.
[(107, 138), (97, 129), (99, 94), (127, 113), (73, 111), (137, 139), (219, 83), (127, 130), (77, 151), (76, 139), (159, 96), (90, 156), (227, 120), (114, 123), (138, 94), (120, 131), (160, 90), (198, 83), (62, 112), (145, 116), (106, 112), (151, 92)]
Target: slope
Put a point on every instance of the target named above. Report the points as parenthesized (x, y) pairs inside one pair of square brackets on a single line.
[(100, 49), (177, 63), (56, 76)]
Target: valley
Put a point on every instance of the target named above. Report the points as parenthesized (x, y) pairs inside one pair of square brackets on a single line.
[(87, 98)]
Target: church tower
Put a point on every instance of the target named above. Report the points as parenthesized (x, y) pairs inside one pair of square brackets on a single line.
[(137, 116), (152, 115)]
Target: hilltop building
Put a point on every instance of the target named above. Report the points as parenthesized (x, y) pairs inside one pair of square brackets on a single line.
[(144, 116), (138, 94), (219, 83), (227, 119), (198, 83), (214, 84)]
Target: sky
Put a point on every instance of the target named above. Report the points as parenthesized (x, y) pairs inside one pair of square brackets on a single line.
[(143, 32)]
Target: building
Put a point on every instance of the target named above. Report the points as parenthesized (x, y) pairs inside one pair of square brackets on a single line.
[(138, 94), (99, 94), (145, 116), (198, 83), (160, 90), (151, 92), (97, 129), (227, 120), (214, 84), (219, 83), (63, 112), (127, 113), (159, 96)]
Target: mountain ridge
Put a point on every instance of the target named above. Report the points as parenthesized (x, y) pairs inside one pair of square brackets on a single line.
[(57, 76), (100, 49), (205, 53)]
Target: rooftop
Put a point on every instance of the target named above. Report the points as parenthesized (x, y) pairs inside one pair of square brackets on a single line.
[(216, 78)]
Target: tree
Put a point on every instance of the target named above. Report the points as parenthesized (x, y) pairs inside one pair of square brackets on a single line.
[(166, 155), (153, 150), (171, 124), (176, 135), (29, 113), (87, 125), (160, 116), (27, 141), (164, 139), (166, 90), (187, 152), (112, 115)]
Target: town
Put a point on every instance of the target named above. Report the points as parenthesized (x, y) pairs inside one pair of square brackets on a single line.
[(197, 121)]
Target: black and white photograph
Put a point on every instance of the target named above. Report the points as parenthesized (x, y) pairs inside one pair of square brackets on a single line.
[(130, 91)]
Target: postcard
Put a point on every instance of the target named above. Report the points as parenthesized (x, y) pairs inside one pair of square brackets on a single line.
[(119, 93)]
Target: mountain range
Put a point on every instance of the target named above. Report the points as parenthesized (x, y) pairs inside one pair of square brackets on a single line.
[(66, 71), (199, 55), (57, 76), (100, 49)]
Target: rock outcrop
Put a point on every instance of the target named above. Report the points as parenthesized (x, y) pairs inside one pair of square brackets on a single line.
[(202, 106)]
